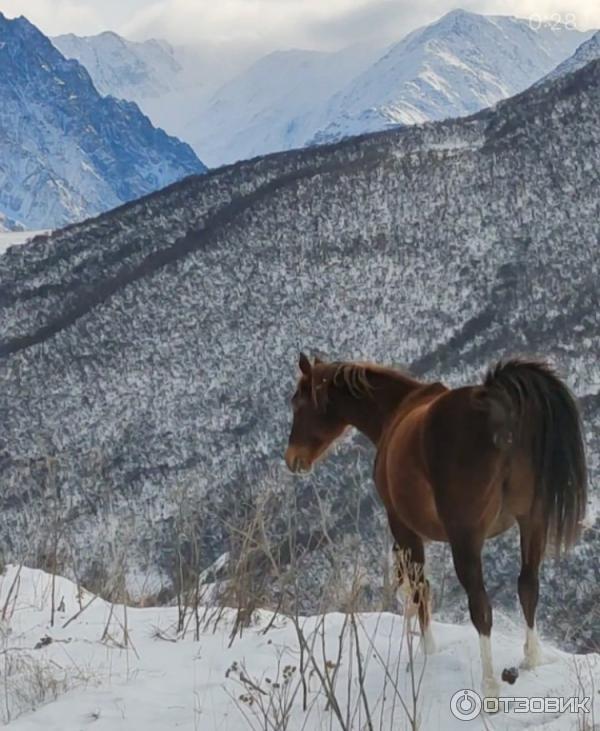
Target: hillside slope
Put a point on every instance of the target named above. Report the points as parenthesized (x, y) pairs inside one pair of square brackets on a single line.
[(147, 356), (67, 153)]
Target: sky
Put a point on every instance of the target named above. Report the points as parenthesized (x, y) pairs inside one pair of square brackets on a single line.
[(325, 24)]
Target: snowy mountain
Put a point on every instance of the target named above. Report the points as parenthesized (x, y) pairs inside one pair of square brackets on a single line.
[(122, 68), (66, 152), (275, 105), (229, 110), (7, 224), (147, 356), (453, 67), (587, 51), (169, 83), (109, 666)]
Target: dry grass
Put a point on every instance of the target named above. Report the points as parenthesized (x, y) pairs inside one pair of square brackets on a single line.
[(312, 683)]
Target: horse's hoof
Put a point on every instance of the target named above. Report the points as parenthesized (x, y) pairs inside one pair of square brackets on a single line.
[(510, 675), (490, 688)]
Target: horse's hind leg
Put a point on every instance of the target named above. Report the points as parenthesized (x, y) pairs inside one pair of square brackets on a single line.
[(466, 553), (410, 566), (533, 543)]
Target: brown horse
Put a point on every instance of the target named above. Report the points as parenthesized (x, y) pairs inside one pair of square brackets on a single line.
[(457, 465)]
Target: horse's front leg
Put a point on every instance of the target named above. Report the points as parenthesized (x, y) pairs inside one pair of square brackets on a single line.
[(409, 556)]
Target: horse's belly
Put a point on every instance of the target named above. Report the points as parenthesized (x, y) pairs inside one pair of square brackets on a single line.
[(414, 503), (503, 522)]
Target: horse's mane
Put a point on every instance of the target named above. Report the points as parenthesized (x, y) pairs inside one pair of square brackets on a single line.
[(355, 376)]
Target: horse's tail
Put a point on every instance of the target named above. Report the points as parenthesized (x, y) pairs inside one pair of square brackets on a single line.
[(535, 411)]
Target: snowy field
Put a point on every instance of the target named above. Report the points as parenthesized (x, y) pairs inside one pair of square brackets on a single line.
[(81, 673), (14, 238)]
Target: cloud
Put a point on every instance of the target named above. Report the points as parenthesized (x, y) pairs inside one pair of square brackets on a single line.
[(56, 16), (585, 14), (376, 20), (330, 24), (276, 23)]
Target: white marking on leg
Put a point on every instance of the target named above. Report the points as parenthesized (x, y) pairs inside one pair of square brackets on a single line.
[(404, 597), (428, 641), (532, 648), (490, 686)]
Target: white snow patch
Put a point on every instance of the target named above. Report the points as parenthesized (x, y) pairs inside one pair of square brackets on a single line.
[(161, 682), (16, 238)]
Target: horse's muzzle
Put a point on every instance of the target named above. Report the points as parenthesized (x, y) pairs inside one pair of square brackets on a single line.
[(296, 462)]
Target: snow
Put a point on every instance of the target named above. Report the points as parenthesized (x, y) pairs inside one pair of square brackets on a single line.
[(83, 674), (17, 238)]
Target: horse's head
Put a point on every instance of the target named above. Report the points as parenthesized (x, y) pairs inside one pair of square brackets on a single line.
[(316, 424)]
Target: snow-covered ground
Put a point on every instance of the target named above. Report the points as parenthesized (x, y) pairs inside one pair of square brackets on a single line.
[(14, 238), (80, 674)]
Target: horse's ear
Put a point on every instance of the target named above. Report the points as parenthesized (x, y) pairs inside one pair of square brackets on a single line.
[(304, 365)]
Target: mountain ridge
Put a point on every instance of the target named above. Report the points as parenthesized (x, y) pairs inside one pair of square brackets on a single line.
[(588, 51), (458, 64), (137, 69), (292, 98), (68, 152)]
